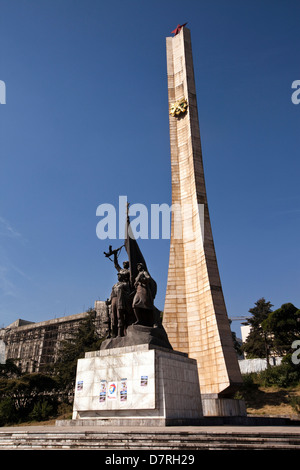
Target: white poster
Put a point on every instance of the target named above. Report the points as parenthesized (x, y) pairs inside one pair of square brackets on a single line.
[(123, 391), (80, 385), (102, 396), (112, 390), (144, 380)]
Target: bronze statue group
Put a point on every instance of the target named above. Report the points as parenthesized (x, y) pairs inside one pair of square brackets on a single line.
[(131, 301)]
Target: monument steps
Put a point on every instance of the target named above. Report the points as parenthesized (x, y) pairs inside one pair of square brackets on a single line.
[(149, 439)]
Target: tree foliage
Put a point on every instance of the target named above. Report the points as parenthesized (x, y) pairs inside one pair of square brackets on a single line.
[(272, 332), (9, 369), (283, 328), (19, 395), (258, 343)]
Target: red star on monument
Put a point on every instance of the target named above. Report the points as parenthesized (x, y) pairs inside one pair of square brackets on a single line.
[(179, 26)]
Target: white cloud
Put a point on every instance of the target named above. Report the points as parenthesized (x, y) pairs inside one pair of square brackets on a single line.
[(6, 286), (9, 273), (7, 230)]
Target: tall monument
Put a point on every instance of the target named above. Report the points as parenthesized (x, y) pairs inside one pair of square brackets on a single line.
[(177, 372), (195, 316)]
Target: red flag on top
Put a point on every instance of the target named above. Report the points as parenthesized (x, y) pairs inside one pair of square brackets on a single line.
[(179, 26)]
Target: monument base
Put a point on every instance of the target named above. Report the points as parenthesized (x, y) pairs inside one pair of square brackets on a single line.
[(213, 405), (142, 384), (139, 334)]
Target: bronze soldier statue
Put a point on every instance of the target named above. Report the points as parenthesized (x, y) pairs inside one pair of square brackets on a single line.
[(120, 304), (143, 301)]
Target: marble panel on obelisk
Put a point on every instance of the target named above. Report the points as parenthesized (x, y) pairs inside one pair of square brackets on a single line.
[(195, 316)]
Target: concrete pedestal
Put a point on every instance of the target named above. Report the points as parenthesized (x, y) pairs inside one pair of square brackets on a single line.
[(213, 405), (142, 384)]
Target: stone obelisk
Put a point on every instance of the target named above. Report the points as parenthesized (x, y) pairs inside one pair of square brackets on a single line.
[(195, 316)]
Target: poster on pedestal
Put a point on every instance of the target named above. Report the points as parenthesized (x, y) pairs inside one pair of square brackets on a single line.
[(102, 396), (112, 390), (123, 390)]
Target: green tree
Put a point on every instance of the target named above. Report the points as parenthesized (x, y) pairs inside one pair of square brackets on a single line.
[(74, 348), (20, 394), (8, 412), (258, 343), (283, 327), (43, 409), (9, 369)]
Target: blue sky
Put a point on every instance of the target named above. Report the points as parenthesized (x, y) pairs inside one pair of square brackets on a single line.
[(86, 120)]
